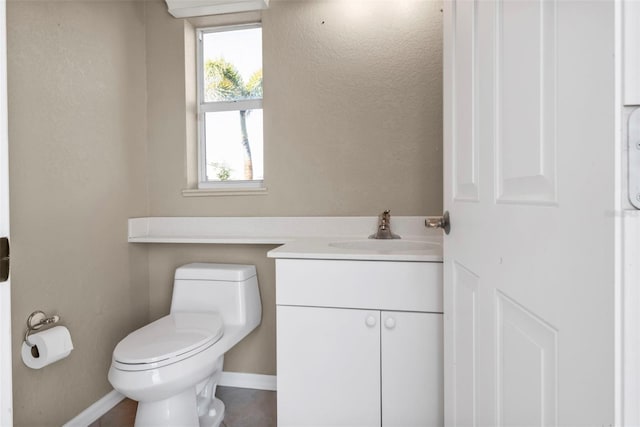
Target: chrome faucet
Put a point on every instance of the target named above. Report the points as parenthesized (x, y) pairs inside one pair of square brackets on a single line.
[(384, 227)]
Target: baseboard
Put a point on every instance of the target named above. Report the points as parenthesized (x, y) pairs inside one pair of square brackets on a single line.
[(228, 379), (254, 381), (95, 411)]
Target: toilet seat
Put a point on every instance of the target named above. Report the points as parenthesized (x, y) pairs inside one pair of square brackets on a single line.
[(168, 340)]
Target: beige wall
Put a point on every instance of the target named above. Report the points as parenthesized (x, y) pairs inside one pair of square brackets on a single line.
[(352, 125), (257, 352), (77, 130), (352, 111), (98, 133)]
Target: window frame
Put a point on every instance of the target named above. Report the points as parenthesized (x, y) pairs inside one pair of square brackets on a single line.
[(204, 107)]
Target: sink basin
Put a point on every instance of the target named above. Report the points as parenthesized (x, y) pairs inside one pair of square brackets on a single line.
[(418, 249), (387, 246)]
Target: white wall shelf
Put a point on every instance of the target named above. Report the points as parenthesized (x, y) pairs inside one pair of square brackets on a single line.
[(266, 230)]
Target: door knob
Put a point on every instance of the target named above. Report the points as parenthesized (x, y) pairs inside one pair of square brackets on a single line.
[(439, 222), (390, 323), (370, 321)]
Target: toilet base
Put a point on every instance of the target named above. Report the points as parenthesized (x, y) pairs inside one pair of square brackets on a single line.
[(215, 416), (178, 410)]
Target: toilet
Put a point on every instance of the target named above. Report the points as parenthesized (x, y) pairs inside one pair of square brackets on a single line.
[(172, 366)]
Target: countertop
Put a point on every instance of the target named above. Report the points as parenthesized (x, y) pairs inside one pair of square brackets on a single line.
[(323, 248)]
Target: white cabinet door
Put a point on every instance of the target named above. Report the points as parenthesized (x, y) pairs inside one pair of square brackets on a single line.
[(412, 379), (328, 367)]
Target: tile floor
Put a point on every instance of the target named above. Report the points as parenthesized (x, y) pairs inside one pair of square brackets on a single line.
[(244, 408)]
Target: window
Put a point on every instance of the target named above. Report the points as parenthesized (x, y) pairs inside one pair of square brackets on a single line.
[(230, 106)]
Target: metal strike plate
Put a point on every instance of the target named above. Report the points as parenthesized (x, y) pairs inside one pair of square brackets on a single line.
[(4, 259), (633, 138)]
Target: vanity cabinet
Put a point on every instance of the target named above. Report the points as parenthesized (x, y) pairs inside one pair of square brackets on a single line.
[(359, 343)]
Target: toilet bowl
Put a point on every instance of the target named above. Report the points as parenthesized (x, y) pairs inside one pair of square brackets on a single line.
[(172, 366)]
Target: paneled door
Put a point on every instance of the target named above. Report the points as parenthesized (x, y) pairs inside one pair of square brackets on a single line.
[(6, 418), (529, 184)]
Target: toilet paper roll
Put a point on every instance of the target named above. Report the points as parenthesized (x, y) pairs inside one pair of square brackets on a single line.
[(53, 344)]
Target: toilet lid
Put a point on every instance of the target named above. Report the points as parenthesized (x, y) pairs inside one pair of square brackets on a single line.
[(169, 337)]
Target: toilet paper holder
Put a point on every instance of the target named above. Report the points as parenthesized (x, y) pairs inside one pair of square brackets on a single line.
[(36, 321)]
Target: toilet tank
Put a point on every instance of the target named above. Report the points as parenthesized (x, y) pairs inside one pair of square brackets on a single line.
[(228, 289)]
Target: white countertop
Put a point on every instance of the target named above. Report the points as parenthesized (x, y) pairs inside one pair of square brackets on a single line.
[(303, 237), (321, 248)]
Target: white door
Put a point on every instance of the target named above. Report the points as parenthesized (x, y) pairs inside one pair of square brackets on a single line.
[(6, 417), (529, 183)]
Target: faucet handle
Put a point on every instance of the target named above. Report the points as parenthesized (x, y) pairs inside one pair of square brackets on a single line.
[(385, 218), (385, 222), (384, 227)]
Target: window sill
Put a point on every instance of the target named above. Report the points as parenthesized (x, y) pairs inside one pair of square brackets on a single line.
[(216, 192)]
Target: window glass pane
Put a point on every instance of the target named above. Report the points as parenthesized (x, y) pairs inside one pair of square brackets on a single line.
[(232, 63), (234, 145)]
